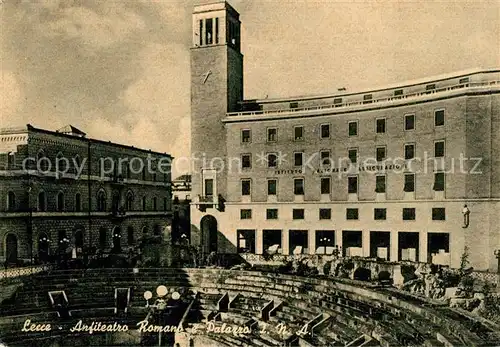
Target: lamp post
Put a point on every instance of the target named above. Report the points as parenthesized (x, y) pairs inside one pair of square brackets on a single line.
[(325, 241), (44, 240), (160, 304), (497, 255)]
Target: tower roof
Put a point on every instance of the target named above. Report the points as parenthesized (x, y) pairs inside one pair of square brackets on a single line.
[(71, 130)]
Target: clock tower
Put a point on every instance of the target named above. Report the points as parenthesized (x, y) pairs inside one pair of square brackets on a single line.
[(216, 88)]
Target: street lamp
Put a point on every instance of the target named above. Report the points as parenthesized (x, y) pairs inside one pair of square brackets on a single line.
[(325, 241), (497, 254), (160, 304)]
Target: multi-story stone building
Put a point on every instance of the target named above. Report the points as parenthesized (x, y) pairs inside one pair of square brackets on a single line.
[(409, 171), (60, 189), (181, 221)]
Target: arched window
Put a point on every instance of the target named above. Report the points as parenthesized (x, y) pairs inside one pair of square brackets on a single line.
[(144, 203), (144, 230), (130, 201), (42, 201), (79, 237), (103, 238), (11, 161), (115, 201), (155, 204), (11, 201), (130, 236), (60, 201), (78, 202), (101, 201)]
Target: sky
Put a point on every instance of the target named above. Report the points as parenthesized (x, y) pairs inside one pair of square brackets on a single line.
[(120, 70)]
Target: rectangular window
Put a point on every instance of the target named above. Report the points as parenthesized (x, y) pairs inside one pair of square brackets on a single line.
[(380, 153), (298, 213), (430, 87), (325, 185), (381, 126), (325, 213), (439, 149), (353, 155), (272, 134), (298, 158), (325, 158), (409, 183), (209, 187), (272, 187), (439, 181), (439, 118), (325, 131), (272, 213), (246, 187), (380, 214), (298, 186), (246, 214), (294, 105), (272, 160), (352, 214), (438, 213), (409, 214), (246, 136), (246, 161), (208, 31), (367, 98), (201, 31), (409, 151), (353, 128), (299, 133), (352, 184), (216, 30), (337, 101), (398, 92), (410, 122), (463, 80), (380, 183)]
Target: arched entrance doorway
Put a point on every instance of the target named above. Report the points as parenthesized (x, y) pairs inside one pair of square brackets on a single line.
[(117, 234), (11, 248), (208, 226), (79, 239), (43, 247)]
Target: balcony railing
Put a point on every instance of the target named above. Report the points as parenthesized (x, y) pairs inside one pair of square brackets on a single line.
[(391, 99)]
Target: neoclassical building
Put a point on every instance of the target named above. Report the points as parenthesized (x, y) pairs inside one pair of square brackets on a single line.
[(408, 171), (103, 195)]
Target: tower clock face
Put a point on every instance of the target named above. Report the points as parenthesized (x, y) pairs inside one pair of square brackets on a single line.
[(206, 75)]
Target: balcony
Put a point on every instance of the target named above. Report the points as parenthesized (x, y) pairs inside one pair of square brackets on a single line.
[(118, 212)]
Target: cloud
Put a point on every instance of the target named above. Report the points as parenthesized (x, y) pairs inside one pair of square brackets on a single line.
[(10, 95), (92, 28)]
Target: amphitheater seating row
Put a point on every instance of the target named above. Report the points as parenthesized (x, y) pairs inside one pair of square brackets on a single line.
[(316, 311)]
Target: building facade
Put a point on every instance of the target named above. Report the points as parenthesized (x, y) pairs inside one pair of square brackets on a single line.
[(181, 220), (409, 171), (63, 190)]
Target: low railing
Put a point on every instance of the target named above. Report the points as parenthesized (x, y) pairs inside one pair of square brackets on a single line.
[(23, 271), (368, 102)]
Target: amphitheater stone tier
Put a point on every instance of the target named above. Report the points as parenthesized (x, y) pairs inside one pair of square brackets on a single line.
[(233, 308)]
